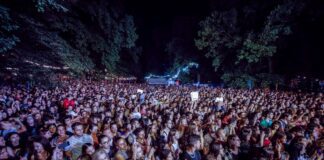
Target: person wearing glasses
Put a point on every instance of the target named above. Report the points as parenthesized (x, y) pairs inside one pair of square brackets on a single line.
[(122, 149), (105, 144)]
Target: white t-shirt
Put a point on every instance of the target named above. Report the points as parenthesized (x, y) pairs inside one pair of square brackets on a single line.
[(76, 144)]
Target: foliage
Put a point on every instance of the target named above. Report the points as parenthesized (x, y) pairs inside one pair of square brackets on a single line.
[(230, 37), (41, 5), (130, 61), (219, 36), (265, 80), (117, 31), (261, 80), (81, 37), (237, 80), (8, 39), (259, 45), (241, 39)]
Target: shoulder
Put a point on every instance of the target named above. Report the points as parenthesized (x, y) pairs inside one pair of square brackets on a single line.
[(198, 154), (71, 138), (184, 156), (87, 137)]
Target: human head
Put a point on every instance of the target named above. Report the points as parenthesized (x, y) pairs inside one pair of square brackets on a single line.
[(140, 133), (105, 142), (121, 144), (100, 155), (40, 144), (58, 154), (61, 130), (67, 120), (14, 139), (3, 153), (194, 142), (78, 129), (88, 149), (30, 121), (233, 141), (166, 154)]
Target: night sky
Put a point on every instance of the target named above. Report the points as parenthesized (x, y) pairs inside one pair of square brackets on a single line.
[(157, 21)]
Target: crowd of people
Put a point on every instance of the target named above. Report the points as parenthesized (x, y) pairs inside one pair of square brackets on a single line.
[(95, 120)]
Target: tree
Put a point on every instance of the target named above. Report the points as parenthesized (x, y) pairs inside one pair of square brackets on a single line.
[(229, 39), (258, 46), (41, 5), (65, 37), (8, 39), (129, 62), (115, 32), (219, 36)]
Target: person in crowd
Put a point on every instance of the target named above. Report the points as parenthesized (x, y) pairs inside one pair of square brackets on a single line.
[(60, 136), (94, 120), (193, 148), (233, 147), (105, 144), (41, 149), (87, 150), (77, 140)]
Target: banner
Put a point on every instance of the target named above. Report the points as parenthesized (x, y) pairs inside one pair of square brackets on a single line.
[(140, 91), (219, 99), (194, 96)]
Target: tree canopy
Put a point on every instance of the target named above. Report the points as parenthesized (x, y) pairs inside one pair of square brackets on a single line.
[(73, 36), (244, 36), (241, 41)]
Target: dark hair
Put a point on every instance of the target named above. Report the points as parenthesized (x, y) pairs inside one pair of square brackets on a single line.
[(230, 137), (60, 125), (193, 140), (295, 150), (68, 117), (164, 153), (45, 143), (279, 135), (138, 130), (296, 129), (284, 116), (7, 137), (85, 147), (76, 124), (92, 126), (275, 123), (215, 148), (244, 132), (311, 127), (102, 137)]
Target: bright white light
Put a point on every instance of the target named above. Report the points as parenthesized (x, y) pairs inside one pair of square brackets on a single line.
[(46, 66), (184, 69)]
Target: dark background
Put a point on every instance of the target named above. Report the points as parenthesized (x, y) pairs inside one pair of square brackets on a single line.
[(157, 21)]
